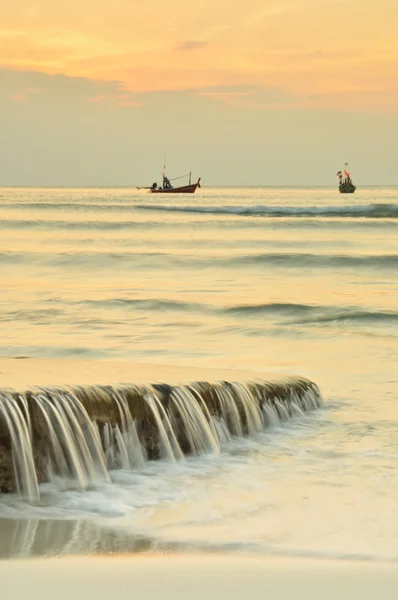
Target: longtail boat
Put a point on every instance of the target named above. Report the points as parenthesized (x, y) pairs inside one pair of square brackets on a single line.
[(183, 189), (168, 188), (345, 182)]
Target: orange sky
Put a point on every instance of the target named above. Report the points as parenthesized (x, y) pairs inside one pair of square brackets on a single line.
[(244, 92), (324, 53)]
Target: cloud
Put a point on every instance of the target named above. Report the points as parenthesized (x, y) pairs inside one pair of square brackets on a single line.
[(97, 99), (23, 95), (54, 90), (35, 90), (18, 98), (191, 45), (21, 86)]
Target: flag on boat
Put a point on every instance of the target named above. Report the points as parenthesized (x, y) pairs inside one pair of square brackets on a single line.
[(338, 173), (346, 173)]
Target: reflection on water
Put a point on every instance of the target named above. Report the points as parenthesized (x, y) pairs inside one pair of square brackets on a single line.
[(22, 538)]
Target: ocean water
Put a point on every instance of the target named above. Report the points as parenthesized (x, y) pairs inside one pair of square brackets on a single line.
[(279, 280)]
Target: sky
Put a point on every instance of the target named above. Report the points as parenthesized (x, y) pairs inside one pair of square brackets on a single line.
[(260, 92)]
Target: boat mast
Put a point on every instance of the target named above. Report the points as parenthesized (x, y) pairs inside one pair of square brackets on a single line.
[(164, 164), (346, 172)]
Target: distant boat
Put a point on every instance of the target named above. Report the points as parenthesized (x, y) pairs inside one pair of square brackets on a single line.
[(167, 188), (345, 182)]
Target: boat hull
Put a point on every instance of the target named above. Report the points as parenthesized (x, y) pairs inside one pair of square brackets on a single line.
[(347, 189), (185, 189)]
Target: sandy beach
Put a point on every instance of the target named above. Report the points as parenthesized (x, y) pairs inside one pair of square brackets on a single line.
[(195, 577)]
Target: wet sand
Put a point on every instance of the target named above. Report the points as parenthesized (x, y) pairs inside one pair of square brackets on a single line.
[(23, 372), (195, 577)]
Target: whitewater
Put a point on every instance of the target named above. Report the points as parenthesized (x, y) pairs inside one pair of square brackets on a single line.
[(273, 281)]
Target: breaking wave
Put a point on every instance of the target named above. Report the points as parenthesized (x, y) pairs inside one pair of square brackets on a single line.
[(307, 314), (372, 211)]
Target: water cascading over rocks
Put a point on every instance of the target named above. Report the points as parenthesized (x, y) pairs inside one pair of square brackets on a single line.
[(81, 434)]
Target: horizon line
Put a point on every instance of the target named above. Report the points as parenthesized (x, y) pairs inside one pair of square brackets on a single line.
[(134, 187)]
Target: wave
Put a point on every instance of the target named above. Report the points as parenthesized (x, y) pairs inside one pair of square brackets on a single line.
[(97, 260), (50, 225), (146, 304), (134, 260), (282, 314), (300, 313), (274, 307), (306, 314), (69, 206), (359, 316), (302, 260), (372, 211)]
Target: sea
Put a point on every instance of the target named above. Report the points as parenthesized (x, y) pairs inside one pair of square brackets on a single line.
[(300, 281)]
